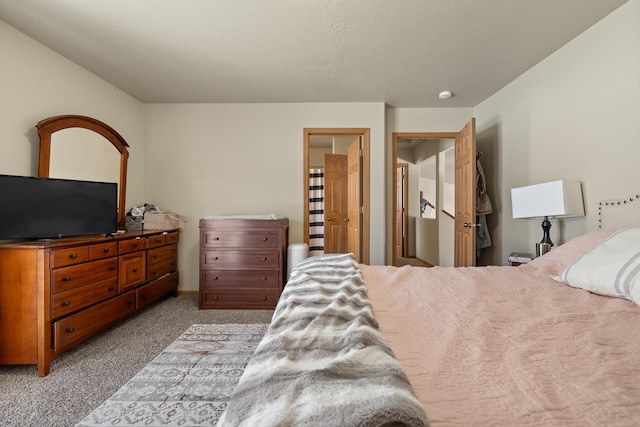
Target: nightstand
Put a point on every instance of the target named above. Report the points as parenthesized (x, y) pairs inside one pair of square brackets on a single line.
[(517, 258)]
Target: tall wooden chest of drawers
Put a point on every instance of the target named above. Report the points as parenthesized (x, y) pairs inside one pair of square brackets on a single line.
[(57, 293), (242, 262)]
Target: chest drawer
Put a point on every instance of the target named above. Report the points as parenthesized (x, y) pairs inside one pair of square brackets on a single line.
[(162, 253), (161, 268), (240, 279), (132, 245), (214, 298), (82, 274), (156, 241), (240, 239), (75, 328), (70, 256), (102, 251), (240, 259), (74, 299)]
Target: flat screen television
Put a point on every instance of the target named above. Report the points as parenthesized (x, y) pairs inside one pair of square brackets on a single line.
[(36, 208)]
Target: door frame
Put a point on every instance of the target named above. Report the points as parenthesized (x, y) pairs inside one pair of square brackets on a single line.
[(365, 201), (394, 159)]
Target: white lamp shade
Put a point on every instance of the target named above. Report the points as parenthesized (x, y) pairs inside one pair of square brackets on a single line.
[(553, 199)]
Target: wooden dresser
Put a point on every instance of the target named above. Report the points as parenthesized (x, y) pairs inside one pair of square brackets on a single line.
[(57, 293), (242, 262)]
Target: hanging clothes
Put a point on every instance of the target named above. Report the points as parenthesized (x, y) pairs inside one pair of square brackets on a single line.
[(483, 208)]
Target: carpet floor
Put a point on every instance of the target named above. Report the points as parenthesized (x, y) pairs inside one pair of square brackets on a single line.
[(85, 376), (188, 384)]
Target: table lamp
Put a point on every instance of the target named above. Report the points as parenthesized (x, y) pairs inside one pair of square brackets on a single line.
[(556, 199)]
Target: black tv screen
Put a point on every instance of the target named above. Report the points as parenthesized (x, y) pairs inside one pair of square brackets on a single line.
[(35, 208)]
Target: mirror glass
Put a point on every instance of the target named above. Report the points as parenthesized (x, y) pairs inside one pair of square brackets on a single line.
[(78, 153), (83, 148)]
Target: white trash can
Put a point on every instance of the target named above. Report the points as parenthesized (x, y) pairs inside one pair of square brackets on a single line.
[(296, 252)]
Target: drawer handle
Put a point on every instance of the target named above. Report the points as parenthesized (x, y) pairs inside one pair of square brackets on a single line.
[(264, 278), (73, 256), (153, 273), (217, 238), (66, 278), (215, 258), (130, 302), (66, 303), (154, 256), (106, 250), (264, 298), (111, 288), (264, 258), (215, 298), (264, 239), (135, 245), (112, 267), (71, 330), (215, 278), (135, 270), (173, 249)]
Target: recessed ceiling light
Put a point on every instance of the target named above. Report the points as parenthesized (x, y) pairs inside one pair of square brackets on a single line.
[(445, 94)]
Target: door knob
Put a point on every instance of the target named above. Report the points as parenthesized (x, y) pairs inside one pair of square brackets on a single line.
[(346, 220), (470, 225), (328, 218)]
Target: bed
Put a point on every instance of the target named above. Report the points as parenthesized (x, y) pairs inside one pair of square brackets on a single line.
[(552, 342)]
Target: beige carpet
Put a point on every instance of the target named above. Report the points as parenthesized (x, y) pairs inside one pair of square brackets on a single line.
[(88, 374)]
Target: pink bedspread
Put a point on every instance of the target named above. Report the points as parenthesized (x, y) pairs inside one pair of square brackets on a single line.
[(507, 346)]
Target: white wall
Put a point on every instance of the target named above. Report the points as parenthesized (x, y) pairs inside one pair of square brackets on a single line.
[(227, 159), (36, 83), (573, 116)]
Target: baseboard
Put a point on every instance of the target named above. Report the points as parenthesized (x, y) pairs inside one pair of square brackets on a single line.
[(188, 293)]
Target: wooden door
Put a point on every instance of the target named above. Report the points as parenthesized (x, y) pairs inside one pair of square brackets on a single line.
[(354, 201), (465, 200), (401, 209), (335, 204)]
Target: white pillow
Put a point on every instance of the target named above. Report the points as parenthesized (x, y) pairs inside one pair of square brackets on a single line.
[(611, 268)]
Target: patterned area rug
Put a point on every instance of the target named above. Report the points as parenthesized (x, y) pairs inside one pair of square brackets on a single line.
[(188, 384)]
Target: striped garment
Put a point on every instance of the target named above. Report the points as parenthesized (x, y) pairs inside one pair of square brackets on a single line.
[(323, 361)]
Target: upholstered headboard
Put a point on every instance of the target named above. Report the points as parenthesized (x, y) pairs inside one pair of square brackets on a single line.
[(620, 213)]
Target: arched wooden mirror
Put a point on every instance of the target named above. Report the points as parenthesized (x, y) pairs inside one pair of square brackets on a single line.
[(79, 147)]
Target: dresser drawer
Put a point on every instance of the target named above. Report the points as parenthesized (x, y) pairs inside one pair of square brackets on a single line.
[(132, 270), (74, 299), (162, 253), (153, 291), (240, 279), (156, 241), (75, 328), (161, 268), (70, 256), (240, 238), (172, 237), (70, 277), (132, 245), (240, 259), (105, 250), (265, 300)]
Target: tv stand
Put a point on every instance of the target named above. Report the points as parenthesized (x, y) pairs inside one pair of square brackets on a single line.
[(57, 293)]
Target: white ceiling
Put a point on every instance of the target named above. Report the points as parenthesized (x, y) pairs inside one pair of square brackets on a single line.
[(402, 52)]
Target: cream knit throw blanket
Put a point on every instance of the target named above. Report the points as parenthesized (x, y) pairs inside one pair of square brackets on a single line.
[(323, 361)]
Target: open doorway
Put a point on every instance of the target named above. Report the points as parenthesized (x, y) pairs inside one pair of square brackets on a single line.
[(463, 232), (347, 225), (424, 215)]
